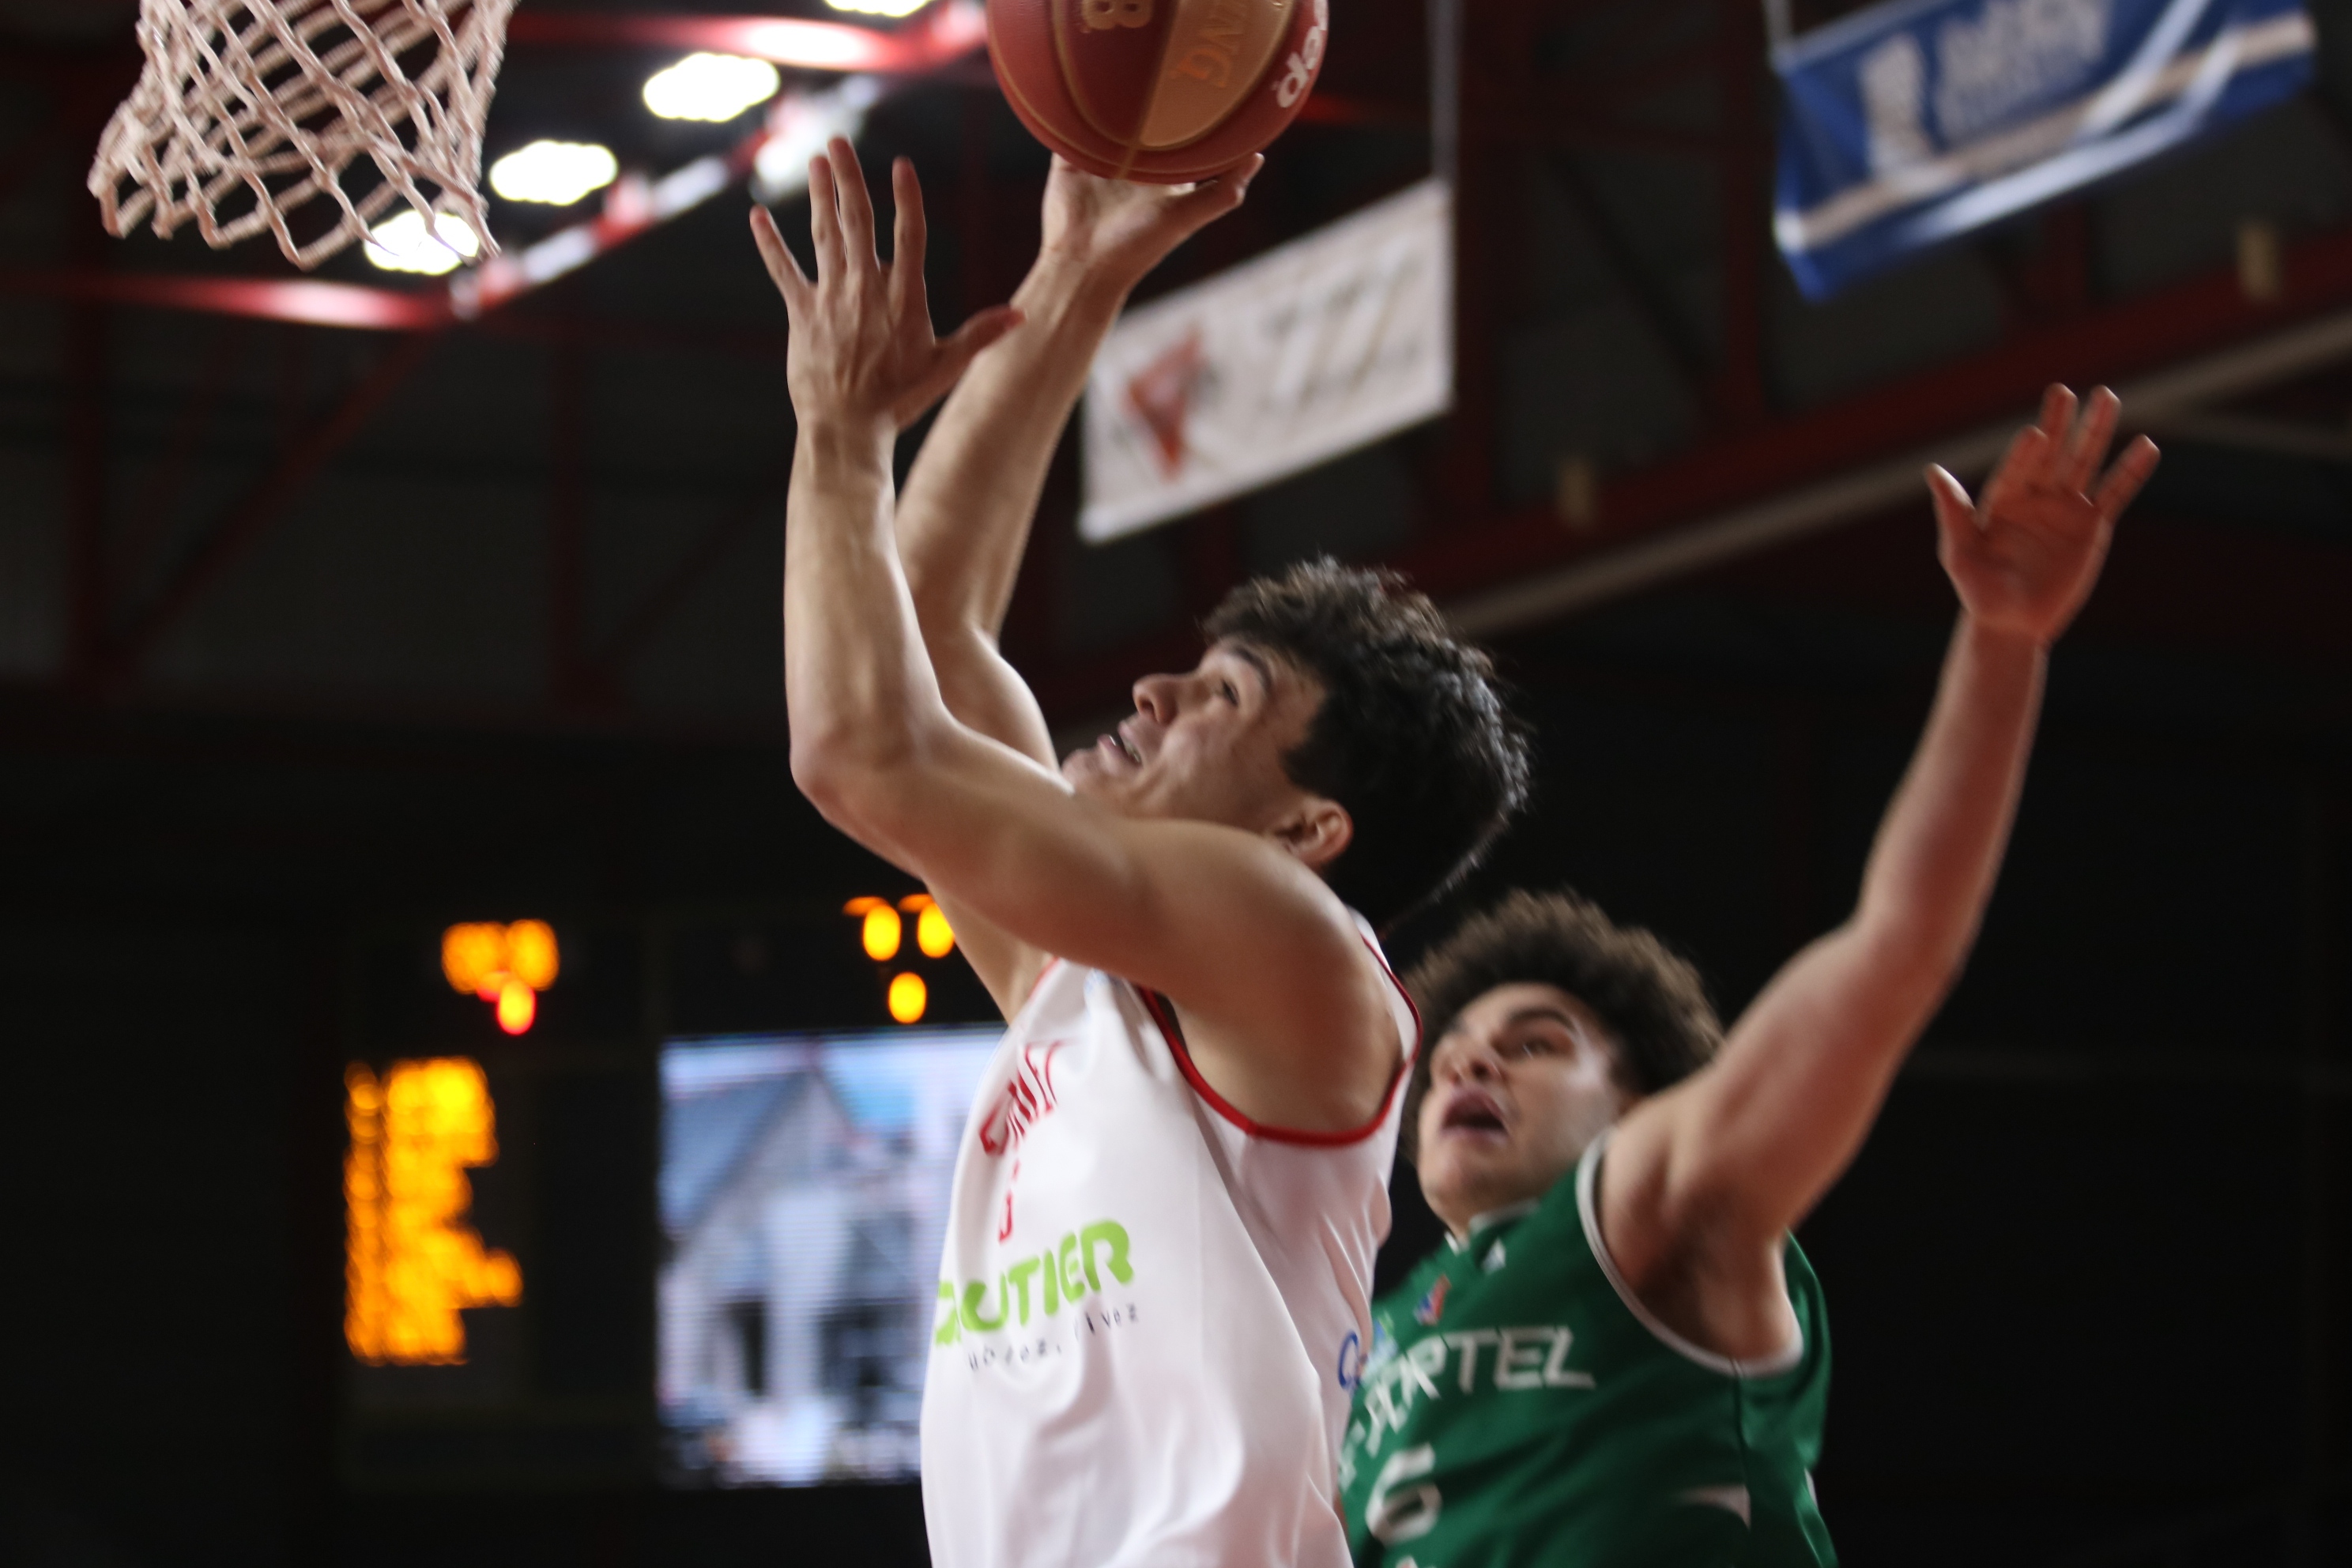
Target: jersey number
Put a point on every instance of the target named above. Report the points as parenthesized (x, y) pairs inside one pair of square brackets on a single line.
[(1396, 1514)]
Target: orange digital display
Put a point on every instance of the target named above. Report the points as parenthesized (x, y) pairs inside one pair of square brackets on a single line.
[(411, 1261)]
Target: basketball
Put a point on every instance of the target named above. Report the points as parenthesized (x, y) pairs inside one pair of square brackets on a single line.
[(1165, 91)]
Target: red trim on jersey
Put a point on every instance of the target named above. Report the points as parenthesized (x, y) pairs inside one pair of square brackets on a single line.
[(1050, 963), (1164, 1015)]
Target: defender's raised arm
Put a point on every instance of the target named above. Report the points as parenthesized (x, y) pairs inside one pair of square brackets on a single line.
[(1752, 1143)]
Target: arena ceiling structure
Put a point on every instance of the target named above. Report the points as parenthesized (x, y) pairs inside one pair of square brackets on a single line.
[(562, 500)]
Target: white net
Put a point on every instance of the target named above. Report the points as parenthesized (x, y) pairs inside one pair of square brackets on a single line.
[(249, 110)]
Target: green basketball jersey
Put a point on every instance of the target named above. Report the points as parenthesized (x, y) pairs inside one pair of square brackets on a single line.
[(1520, 1409)]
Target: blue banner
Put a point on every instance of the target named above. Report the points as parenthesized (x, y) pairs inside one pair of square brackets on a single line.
[(1915, 121)]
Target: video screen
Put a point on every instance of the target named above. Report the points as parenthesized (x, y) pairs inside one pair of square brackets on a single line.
[(803, 1204)]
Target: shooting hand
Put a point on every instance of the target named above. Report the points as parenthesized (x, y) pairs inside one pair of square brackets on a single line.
[(1119, 230)]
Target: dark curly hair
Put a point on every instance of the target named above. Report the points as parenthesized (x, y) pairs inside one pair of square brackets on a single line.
[(1651, 999), (1411, 735)]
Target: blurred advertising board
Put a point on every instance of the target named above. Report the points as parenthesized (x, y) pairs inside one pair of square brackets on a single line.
[(1306, 353), (1913, 122)]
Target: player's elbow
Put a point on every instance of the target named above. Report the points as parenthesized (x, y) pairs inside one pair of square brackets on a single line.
[(855, 777), (834, 771), (820, 772)]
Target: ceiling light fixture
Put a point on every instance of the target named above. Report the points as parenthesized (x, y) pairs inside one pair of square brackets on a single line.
[(879, 7), (403, 244), (710, 87), (555, 173)]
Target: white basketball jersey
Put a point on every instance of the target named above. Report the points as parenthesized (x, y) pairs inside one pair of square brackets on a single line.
[(1151, 1311)]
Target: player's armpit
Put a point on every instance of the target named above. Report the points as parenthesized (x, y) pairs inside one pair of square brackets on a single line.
[(1007, 967), (1697, 1260), (1743, 1149)]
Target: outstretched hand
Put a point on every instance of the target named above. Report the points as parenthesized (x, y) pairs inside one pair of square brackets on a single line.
[(2025, 558), (861, 351), (1120, 229)]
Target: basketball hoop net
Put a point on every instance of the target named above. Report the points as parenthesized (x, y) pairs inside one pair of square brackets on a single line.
[(249, 109)]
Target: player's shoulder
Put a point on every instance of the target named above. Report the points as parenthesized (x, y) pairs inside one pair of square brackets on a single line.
[(1246, 904)]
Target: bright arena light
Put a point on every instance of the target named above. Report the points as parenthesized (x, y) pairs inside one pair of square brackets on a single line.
[(402, 244), (711, 87), (908, 995), (879, 7), (555, 173)]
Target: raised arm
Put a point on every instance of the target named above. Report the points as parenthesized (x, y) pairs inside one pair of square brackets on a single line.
[(1742, 1151), (1223, 921), (963, 522)]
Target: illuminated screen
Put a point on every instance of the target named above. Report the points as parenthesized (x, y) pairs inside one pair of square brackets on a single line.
[(803, 1201)]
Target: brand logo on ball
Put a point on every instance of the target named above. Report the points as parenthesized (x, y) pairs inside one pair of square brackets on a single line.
[(1101, 16), (1223, 33), (1299, 72)]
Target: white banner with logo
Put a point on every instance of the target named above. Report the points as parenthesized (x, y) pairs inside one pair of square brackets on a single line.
[(1308, 351)]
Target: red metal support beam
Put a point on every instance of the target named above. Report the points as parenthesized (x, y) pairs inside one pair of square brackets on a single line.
[(79, 110), (2052, 281), (568, 670), (390, 309), (86, 464), (1739, 396), (1615, 80), (1483, 103), (147, 522), (1342, 108), (1210, 546), (305, 300), (249, 521), (2134, 337), (976, 233), (658, 606), (1636, 282), (28, 153), (792, 41), (2065, 272)]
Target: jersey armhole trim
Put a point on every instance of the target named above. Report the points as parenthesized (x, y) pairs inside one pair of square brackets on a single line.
[(1163, 1015), (1053, 962), (1588, 1211)]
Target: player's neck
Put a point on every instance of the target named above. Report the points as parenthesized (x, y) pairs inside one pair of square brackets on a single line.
[(1462, 1235)]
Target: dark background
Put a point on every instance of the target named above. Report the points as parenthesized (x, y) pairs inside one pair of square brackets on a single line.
[(510, 650)]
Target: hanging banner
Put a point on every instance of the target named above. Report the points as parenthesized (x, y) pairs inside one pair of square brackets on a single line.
[(1912, 123), (1329, 343)]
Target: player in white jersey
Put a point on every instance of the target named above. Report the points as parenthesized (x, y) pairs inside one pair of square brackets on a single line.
[(1154, 1296)]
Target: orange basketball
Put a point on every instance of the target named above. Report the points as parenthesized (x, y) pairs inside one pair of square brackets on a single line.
[(1161, 91)]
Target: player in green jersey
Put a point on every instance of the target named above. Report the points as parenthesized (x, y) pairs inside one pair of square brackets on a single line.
[(1620, 1359)]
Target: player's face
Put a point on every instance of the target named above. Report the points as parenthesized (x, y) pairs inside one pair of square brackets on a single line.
[(1206, 746), (1524, 1079)]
